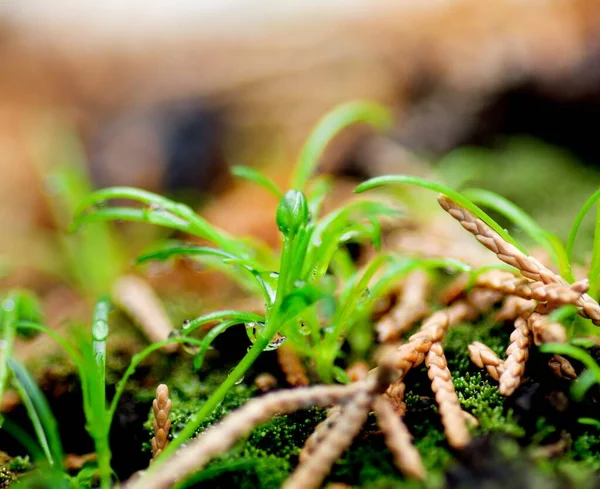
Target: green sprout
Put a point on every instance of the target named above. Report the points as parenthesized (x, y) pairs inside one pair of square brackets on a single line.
[(295, 283)]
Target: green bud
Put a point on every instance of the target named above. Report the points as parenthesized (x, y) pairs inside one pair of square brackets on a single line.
[(292, 212)]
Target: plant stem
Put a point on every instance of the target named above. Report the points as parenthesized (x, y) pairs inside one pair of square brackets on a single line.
[(273, 324), (10, 307), (217, 397), (594, 275)]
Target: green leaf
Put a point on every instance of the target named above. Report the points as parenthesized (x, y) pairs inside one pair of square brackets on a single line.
[(517, 216), (240, 317), (329, 232), (329, 126), (38, 409), (239, 269), (251, 174), (209, 338), (157, 210), (437, 187)]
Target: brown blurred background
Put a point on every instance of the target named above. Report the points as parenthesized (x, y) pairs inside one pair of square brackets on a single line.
[(165, 95)]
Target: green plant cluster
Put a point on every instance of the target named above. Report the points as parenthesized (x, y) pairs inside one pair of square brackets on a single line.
[(316, 297)]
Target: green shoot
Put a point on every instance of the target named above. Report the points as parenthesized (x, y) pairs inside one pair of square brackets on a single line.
[(513, 213), (252, 175), (94, 256), (158, 210), (44, 422), (94, 393), (10, 308), (328, 127), (437, 187)]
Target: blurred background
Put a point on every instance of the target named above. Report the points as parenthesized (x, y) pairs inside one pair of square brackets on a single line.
[(166, 95)]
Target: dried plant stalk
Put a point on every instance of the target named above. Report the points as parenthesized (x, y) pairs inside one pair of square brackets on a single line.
[(398, 440), (517, 354), (411, 308), (265, 382), (319, 433), (449, 408), (454, 290), (313, 470), (161, 406), (434, 328), (136, 298), (555, 293), (483, 356), (544, 329), (395, 397), (562, 367), (508, 253), (238, 424), (513, 307), (291, 365), (358, 371)]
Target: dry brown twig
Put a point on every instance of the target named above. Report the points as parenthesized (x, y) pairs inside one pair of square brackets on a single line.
[(411, 308), (513, 307), (161, 407), (516, 357), (556, 293), (453, 420), (545, 330), (138, 300), (291, 365), (398, 439), (510, 254), (483, 356)]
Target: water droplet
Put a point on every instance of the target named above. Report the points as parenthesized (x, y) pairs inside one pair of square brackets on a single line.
[(186, 323), (274, 275), (237, 382), (299, 283), (155, 207), (190, 349), (365, 296), (303, 328), (276, 342), (254, 329), (175, 333), (8, 305)]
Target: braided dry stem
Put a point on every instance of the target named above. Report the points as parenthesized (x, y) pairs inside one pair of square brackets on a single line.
[(411, 308), (544, 329), (312, 471), (562, 367), (555, 293), (398, 439), (513, 307), (508, 253), (395, 397), (449, 408), (483, 356), (358, 371), (161, 406), (291, 365), (517, 354), (434, 328), (238, 424), (319, 434)]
